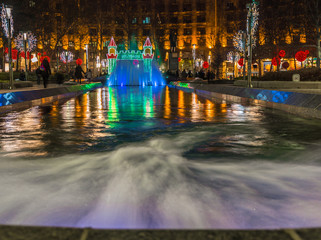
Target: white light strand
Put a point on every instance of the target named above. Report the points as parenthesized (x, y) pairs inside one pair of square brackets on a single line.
[(238, 42), (233, 56), (66, 56), (5, 22), (254, 23), (31, 42)]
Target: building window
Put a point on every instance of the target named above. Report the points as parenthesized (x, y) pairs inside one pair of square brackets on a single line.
[(58, 6), (230, 6), (201, 31), (201, 19), (134, 20), (187, 31), (201, 7), (174, 20), (187, 7), (146, 32), (119, 32), (187, 19), (146, 20), (32, 3), (93, 32), (174, 8)]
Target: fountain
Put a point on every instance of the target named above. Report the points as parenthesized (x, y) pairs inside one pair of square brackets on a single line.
[(133, 67)]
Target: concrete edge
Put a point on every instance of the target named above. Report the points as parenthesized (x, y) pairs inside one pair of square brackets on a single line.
[(62, 233), (25, 99), (304, 105)]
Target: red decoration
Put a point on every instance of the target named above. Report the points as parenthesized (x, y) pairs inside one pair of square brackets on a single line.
[(241, 62), (78, 61), (307, 52), (282, 54), (285, 65), (42, 58), (39, 54), (301, 56), (14, 54), (205, 65), (135, 62), (276, 61), (179, 59), (6, 51), (158, 56)]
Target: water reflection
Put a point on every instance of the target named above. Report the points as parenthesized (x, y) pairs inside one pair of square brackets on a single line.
[(110, 114)]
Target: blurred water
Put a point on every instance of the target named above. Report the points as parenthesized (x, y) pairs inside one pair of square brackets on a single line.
[(158, 158), (134, 73)]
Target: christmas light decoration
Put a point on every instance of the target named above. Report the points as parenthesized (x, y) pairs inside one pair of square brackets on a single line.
[(282, 54), (241, 62), (253, 16), (135, 62), (5, 22), (43, 57), (205, 65), (276, 61), (78, 61), (66, 57), (233, 56), (238, 42), (31, 42), (301, 56)]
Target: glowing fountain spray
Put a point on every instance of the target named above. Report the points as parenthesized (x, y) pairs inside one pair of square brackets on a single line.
[(133, 68)]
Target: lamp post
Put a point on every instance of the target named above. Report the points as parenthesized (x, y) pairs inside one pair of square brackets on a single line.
[(25, 41), (8, 17), (87, 48), (194, 57)]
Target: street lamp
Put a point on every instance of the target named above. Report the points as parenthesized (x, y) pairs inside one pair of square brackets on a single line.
[(87, 48), (9, 17), (194, 57), (25, 41)]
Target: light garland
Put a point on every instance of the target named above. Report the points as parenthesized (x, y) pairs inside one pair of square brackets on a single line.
[(253, 16), (233, 56), (66, 56), (31, 42), (5, 22), (238, 41)]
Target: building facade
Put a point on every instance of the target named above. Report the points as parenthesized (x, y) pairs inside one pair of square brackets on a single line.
[(202, 30)]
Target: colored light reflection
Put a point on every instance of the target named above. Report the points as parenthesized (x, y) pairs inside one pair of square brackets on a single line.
[(181, 106), (167, 104)]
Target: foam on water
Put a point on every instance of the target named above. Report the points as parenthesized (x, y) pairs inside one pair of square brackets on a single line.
[(152, 185)]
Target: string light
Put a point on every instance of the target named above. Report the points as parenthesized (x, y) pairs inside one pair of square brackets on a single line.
[(66, 56), (5, 22), (254, 22), (233, 56), (238, 41), (31, 42)]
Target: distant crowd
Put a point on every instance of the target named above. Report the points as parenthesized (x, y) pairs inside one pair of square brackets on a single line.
[(209, 75)]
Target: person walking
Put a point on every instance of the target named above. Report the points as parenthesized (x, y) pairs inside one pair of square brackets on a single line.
[(89, 75), (45, 72), (38, 74), (78, 73)]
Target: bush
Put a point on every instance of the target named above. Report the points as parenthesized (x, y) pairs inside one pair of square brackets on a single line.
[(306, 74)]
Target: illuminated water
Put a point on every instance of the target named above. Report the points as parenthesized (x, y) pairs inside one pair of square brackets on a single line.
[(133, 73), (158, 158)]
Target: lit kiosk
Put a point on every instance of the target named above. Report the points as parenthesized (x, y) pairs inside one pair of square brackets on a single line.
[(133, 67), (112, 56)]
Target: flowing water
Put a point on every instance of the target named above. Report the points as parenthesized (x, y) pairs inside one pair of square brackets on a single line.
[(155, 157)]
